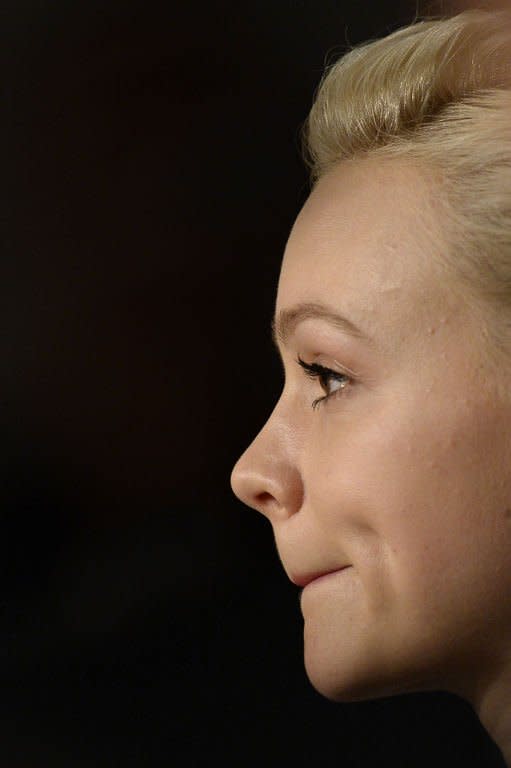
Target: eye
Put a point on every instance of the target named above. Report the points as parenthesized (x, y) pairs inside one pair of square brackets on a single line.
[(325, 377)]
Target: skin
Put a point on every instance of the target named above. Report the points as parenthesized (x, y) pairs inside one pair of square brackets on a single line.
[(404, 475)]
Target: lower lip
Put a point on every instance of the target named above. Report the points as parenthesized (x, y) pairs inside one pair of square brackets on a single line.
[(326, 577)]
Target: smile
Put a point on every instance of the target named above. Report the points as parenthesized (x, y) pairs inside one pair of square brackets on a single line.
[(306, 579)]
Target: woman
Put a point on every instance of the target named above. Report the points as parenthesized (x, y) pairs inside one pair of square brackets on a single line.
[(385, 467)]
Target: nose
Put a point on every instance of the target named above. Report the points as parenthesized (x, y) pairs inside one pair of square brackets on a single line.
[(266, 476)]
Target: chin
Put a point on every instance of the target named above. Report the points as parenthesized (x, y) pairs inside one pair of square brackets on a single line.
[(344, 690), (347, 691), (345, 682)]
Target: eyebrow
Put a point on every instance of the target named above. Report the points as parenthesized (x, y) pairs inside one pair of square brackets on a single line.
[(284, 324)]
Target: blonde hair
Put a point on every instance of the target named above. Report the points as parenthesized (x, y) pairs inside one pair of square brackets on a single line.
[(437, 92)]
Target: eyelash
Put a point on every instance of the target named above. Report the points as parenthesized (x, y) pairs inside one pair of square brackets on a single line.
[(315, 371)]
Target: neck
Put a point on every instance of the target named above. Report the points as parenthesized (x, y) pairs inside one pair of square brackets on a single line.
[(492, 704)]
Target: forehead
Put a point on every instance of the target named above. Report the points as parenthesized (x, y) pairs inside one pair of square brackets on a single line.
[(365, 243)]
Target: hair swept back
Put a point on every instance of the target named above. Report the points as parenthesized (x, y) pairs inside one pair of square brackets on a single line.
[(387, 90)]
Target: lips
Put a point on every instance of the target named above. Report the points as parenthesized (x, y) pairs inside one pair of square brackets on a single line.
[(301, 580)]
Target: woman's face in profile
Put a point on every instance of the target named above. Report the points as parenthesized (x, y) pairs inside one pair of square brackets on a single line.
[(398, 486)]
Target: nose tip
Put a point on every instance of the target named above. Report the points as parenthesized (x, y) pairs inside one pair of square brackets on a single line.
[(272, 487), (234, 480), (247, 487)]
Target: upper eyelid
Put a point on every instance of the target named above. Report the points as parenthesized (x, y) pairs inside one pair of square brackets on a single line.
[(314, 367), (317, 367), (342, 371)]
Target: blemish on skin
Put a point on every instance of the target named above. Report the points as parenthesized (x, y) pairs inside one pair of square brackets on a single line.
[(507, 513)]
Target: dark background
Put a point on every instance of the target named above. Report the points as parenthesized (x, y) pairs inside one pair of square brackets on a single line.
[(151, 174)]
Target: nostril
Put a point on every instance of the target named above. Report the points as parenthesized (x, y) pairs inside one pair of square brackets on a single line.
[(265, 503), (264, 498)]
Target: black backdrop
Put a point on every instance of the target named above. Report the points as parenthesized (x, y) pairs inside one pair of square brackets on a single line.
[(152, 173)]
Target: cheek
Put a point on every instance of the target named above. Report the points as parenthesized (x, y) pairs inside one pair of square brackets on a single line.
[(373, 472), (420, 495)]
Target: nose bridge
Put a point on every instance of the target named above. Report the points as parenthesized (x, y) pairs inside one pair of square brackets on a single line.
[(266, 477)]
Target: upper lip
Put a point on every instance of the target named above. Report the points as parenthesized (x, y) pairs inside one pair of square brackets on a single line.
[(302, 579)]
